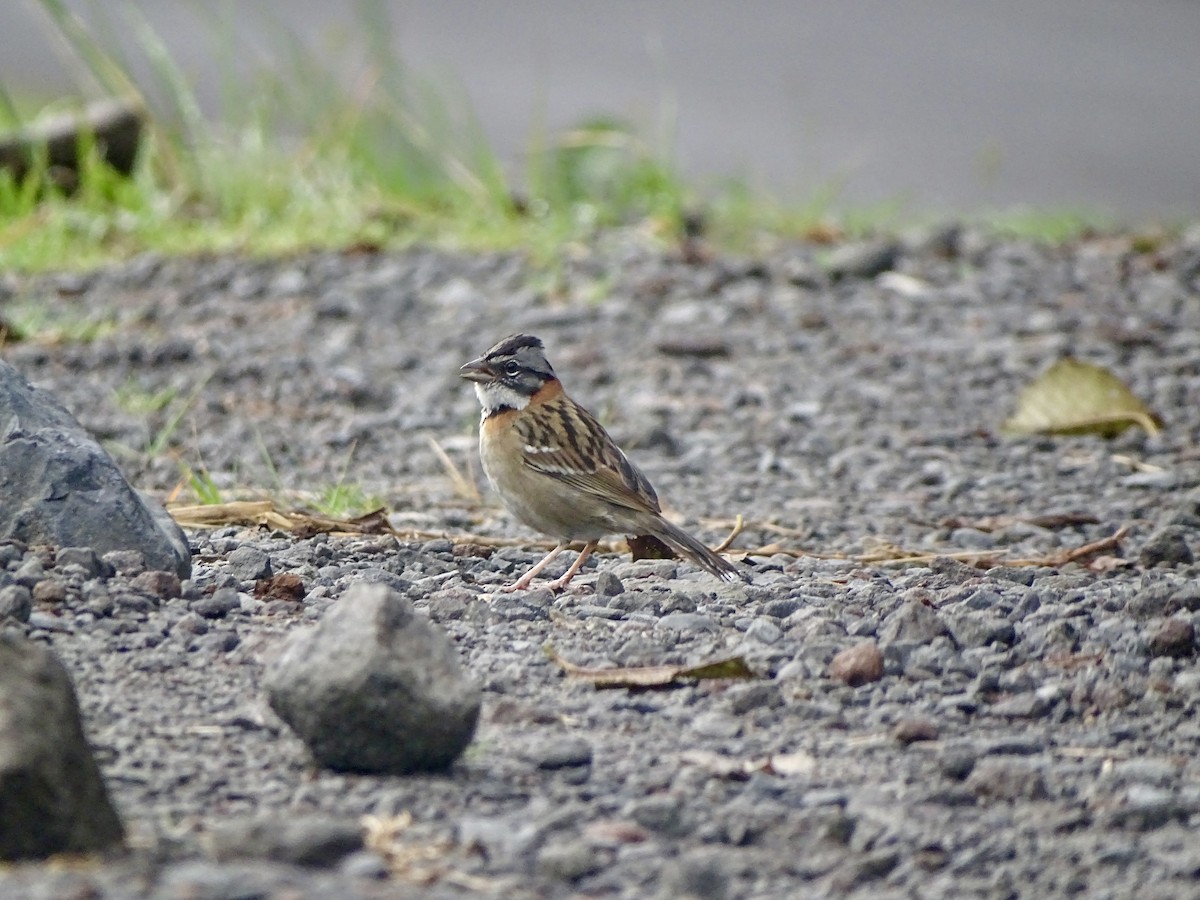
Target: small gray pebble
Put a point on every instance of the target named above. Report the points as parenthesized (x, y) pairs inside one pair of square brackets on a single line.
[(1007, 779), (1166, 547), (1021, 706), (862, 259), (972, 539), (84, 557), (781, 608), (568, 860), (1018, 574), (608, 584), (764, 631), (717, 724), (30, 572), (301, 840), (1188, 682), (515, 608), (635, 601), (16, 602), (10, 555), (565, 753), (984, 599), (364, 864), (1173, 638), (190, 624), (218, 641), (1147, 807), (590, 611), (47, 622), (1161, 667), (382, 576), (687, 622), (698, 875), (248, 564), (1187, 597), (126, 562), (133, 603), (977, 629), (746, 698), (502, 838), (251, 606), (957, 762), (218, 605), (661, 813), (1161, 480)]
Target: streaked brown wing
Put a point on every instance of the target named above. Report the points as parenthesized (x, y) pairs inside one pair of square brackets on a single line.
[(565, 441)]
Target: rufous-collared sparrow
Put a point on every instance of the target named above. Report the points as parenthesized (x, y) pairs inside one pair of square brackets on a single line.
[(557, 469)]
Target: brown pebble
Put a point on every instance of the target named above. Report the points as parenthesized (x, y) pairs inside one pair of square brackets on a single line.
[(913, 729), (49, 590), (163, 585), (857, 665), (1174, 637), (284, 586)]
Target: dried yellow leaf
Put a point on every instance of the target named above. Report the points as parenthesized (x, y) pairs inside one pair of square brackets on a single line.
[(1076, 397)]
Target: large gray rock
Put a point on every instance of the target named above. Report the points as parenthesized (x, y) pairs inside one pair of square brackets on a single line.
[(375, 687), (59, 487), (52, 798)]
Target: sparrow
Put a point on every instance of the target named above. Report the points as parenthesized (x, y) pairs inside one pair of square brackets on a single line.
[(555, 467)]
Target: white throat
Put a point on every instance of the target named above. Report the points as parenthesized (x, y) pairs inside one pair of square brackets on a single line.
[(494, 396)]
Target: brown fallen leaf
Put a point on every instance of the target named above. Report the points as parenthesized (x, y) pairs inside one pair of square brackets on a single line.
[(1076, 397), (647, 546), (653, 676)]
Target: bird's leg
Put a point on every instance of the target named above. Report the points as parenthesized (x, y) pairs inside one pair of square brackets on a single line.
[(523, 582), (559, 583)]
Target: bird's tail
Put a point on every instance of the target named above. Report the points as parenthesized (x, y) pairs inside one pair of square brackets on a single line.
[(690, 548)]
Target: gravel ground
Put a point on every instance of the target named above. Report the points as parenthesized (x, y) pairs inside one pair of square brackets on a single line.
[(1034, 731)]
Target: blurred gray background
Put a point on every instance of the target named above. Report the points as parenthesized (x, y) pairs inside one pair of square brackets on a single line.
[(945, 107)]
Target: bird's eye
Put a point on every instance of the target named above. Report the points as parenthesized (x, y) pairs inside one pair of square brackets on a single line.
[(512, 370)]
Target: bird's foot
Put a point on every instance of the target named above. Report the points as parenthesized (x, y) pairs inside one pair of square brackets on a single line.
[(558, 585)]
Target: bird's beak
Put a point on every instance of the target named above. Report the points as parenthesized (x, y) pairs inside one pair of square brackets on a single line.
[(476, 370)]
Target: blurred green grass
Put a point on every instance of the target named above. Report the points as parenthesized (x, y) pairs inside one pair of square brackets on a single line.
[(300, 158)]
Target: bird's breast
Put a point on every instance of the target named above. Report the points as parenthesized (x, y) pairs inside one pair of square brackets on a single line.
[(541, 501)]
